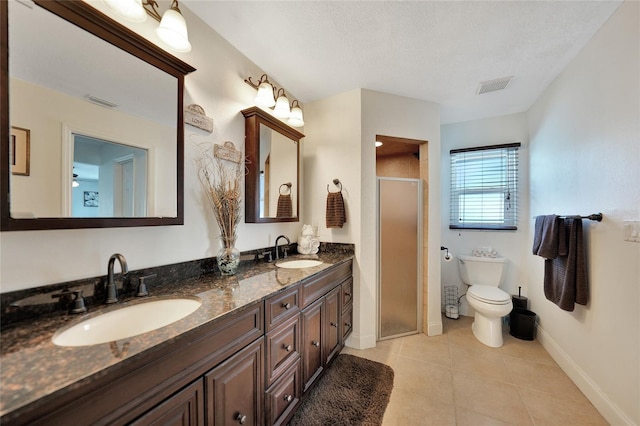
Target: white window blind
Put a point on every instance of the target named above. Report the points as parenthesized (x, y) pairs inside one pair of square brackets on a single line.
[(484, 187)]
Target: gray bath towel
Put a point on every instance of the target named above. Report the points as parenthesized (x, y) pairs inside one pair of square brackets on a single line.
[(546, 236), (565, 277)]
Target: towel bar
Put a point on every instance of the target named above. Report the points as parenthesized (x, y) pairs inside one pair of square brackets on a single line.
[(595, 216)]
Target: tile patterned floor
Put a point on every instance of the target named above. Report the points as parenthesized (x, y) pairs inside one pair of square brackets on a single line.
[(453, 379)]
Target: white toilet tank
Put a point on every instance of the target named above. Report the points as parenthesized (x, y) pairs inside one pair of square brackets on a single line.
[(476, 270)]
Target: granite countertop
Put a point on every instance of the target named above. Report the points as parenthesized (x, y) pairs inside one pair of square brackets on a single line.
[(33, 367)]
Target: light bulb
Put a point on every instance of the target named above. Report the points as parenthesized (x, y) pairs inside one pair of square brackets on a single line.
[(173, 31)]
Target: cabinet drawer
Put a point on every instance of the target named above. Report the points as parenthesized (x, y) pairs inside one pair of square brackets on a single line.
[(347, 323), (283, 348), (281, 307), (347, 293), (184, 408), (283, 397), (316, 287)]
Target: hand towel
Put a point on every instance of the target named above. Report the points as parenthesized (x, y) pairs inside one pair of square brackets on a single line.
[(546, 236), (285, 206), (336, 214), (565, 277)]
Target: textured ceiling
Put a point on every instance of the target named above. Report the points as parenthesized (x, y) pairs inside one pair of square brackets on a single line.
[(437, 51)]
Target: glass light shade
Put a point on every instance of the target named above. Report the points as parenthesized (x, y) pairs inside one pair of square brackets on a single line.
[(378, 144), (281, 109), (264, 98), (75, 183), (295, 119), (131, 10), (173, 31)]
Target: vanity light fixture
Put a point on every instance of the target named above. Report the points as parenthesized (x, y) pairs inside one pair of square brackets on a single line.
[(296, 119), (172, 29), (282, 109), (378, 144), (266, 98)]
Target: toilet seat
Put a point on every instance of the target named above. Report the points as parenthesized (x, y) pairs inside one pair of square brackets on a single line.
[(488, 294)]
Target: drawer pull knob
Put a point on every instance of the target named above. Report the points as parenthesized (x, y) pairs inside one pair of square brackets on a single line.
[(347, 325), (286, 305), (316, 344), (333, 324), (288, 398), (287, 348), (241, 418), (346, 293)]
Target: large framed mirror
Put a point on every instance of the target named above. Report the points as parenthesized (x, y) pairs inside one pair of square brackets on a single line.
[(91, 121), (273, 171)]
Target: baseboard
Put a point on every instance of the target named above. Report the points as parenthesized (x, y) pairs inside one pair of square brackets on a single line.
[(592, 391), (356, 341), (434, 328)]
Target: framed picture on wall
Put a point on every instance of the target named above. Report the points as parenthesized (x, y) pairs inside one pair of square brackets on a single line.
[(91, 199), (20, 150)]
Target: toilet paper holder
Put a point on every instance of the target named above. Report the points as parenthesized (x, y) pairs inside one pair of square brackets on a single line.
[(447, 255)]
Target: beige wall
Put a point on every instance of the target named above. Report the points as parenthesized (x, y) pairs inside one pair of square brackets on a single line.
[(401, 166), (585, 155)]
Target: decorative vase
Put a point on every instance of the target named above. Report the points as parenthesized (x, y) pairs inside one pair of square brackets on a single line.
[(228, 257)]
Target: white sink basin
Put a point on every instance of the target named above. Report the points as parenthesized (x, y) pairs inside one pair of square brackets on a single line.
[(126, 322), (300, 263)]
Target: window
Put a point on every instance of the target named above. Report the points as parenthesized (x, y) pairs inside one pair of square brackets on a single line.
[(484, 187)]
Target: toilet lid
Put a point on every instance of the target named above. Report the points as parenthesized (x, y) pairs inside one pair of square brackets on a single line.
[(487, 294)]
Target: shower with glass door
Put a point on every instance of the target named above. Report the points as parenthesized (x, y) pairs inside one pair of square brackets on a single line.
[(399, 257)]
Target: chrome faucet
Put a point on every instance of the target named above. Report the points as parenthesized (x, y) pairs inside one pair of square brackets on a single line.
[(276, 246), (112, 291)]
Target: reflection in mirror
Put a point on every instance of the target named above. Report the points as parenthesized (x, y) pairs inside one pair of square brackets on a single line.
[(141, 104), (278, 172), (110, 103), (109, 179), (272, 180)]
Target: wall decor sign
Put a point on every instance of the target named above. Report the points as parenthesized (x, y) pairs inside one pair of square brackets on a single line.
[(195, 116), (91, 199), (20, 145)]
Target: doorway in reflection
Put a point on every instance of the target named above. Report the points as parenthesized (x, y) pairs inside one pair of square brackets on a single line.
[(111, 179)]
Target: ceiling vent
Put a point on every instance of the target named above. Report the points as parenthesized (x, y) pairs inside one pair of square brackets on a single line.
[(493, 85)]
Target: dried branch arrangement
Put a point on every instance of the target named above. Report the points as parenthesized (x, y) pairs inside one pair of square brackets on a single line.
[(221, 179)]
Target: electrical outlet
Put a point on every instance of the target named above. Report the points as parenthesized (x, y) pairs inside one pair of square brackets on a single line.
[(632, 231)]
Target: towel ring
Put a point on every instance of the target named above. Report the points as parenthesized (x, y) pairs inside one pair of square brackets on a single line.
[(288, 185), (336, 182)]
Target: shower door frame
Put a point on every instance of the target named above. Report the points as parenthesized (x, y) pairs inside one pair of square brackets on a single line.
[(420, 243)]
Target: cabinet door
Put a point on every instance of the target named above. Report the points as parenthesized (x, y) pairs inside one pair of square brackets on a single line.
[(312, 342), (182, 409), (332, 325), (234, 389)]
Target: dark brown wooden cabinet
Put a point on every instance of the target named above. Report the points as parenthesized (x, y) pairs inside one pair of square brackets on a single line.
[(234, 389), (332, 341), (312, 364), (249, 367)]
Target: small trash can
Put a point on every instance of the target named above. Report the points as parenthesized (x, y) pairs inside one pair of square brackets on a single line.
[(522, 324)]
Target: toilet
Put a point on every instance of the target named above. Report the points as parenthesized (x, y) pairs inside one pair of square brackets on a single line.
[(483, 276)]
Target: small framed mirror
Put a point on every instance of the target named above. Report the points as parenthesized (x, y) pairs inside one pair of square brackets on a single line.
[(273, 171)]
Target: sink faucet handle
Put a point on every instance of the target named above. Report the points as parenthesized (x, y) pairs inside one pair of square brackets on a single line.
[(285, 250), (77, 305), (142, 285)]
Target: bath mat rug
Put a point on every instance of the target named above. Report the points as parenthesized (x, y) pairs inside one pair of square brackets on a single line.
[(354, 391)]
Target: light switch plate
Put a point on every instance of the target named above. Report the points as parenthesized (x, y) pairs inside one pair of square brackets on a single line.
[(632, 231)]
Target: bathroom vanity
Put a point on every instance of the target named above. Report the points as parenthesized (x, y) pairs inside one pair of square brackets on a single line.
[(246, 356)]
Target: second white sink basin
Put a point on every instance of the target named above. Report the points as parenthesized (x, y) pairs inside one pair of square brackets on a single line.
[(300, 263), (126, 322)]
